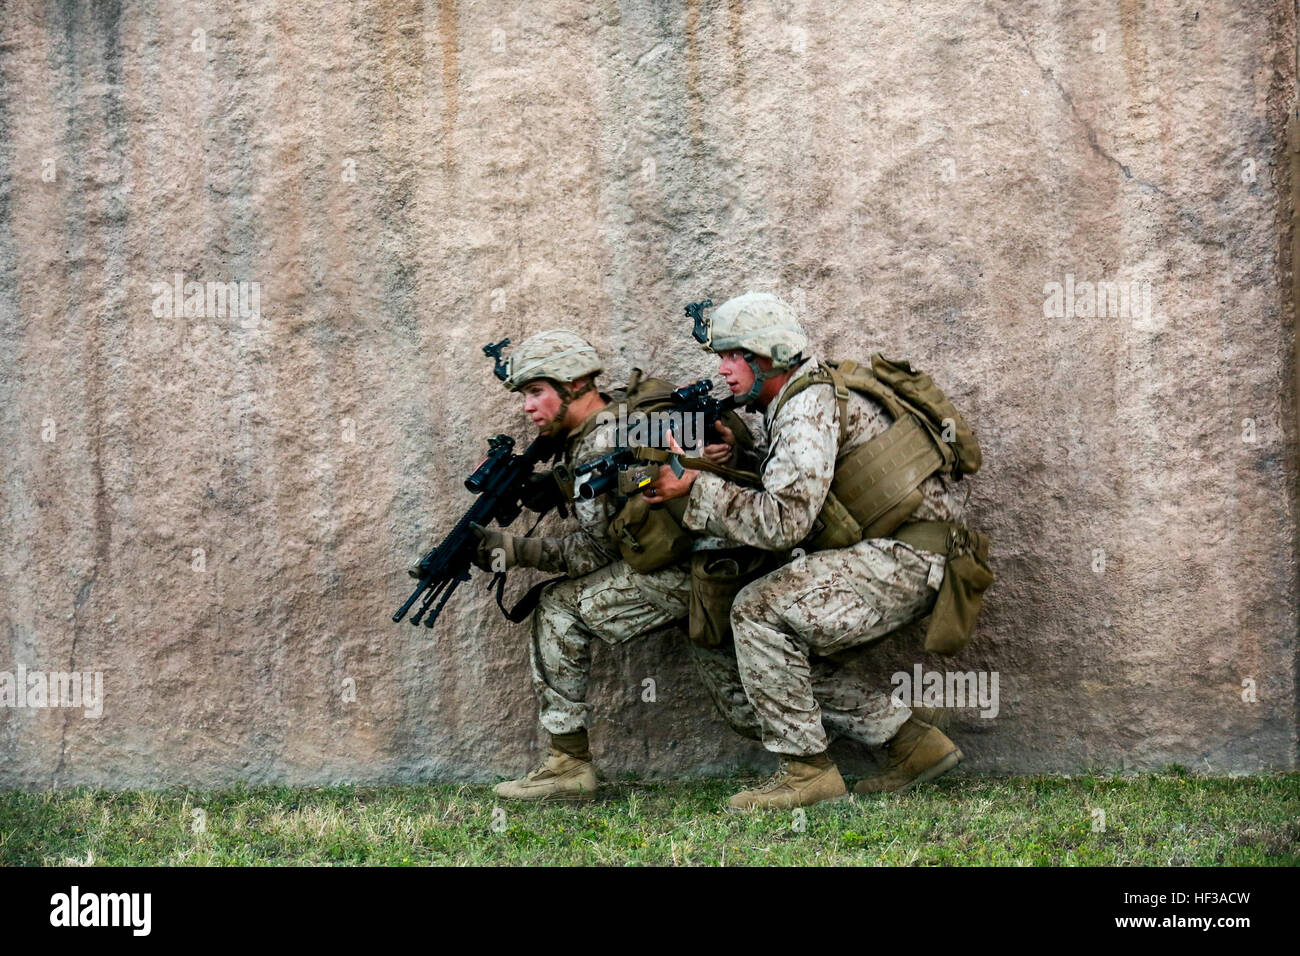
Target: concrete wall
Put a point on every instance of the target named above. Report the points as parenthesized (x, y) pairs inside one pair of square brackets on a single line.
[(406, 181)]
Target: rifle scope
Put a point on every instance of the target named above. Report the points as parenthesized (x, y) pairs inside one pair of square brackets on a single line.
[(499, 449), (696, 390)]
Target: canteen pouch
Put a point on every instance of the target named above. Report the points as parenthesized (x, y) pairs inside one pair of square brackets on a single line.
[(966, 577), (716, 578)]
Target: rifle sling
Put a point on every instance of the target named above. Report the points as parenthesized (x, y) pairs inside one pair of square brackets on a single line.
[(528, 603), (661, 456)]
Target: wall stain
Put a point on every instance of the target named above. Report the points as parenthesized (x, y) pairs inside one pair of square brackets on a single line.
[(450, 40)]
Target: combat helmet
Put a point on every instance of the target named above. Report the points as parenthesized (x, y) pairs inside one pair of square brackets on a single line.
[(559, 356), (757, 323)]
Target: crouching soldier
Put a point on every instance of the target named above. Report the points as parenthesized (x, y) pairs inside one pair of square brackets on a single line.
[(605, 598), (856, 488)]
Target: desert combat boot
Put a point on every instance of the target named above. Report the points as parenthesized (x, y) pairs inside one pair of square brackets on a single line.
[(562, 777), (795, 784), (917, 753)]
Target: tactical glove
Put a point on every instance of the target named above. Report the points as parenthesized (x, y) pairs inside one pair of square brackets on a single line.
[(515, 551)]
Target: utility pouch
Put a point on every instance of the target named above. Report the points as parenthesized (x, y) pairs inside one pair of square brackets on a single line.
[(716, 578), (651, 537), (966, 577)]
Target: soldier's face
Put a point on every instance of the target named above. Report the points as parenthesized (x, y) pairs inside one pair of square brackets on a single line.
[(541, 403), (733, 367)]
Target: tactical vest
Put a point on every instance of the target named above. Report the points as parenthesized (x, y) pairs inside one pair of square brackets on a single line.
[(876, 486)]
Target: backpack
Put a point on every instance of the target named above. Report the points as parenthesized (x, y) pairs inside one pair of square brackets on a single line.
[(876, 486)]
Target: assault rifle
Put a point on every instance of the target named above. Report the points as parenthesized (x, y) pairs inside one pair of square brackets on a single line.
[(504, 483), (628, 469)]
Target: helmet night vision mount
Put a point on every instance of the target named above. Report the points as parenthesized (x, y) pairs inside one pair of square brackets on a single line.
[(696, 311), (493, 351)]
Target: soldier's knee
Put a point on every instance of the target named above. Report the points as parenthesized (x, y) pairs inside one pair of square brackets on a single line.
[(758, 610), (748, 602)]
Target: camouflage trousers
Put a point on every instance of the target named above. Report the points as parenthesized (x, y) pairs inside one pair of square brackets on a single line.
[(617, 604), (848, 708), (614, 604), (820, 604)]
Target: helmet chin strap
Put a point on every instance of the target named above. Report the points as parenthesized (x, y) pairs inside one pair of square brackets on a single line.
[(760, 379), (567, 397)]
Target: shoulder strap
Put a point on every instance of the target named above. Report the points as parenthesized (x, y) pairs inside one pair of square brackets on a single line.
[(842, 400), (807, 381), (860, 378), (830, 376), (849, 376)]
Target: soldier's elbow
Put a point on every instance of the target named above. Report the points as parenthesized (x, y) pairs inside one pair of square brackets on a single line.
[(791, 529)]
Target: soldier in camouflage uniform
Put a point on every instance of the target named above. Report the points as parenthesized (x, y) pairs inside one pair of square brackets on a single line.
[(819, 604), (605, 598)]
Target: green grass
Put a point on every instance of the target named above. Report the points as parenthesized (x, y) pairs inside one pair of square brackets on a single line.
[(1162, 819)]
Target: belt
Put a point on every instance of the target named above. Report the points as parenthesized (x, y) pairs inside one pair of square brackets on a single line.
[(941, 537)]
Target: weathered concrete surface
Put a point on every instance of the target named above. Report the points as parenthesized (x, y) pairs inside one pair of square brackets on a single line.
[(406, 181)]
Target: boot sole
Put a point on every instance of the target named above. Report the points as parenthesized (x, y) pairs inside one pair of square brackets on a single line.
[(840, 799), (568, 797), (938, 769), (552, 797)]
